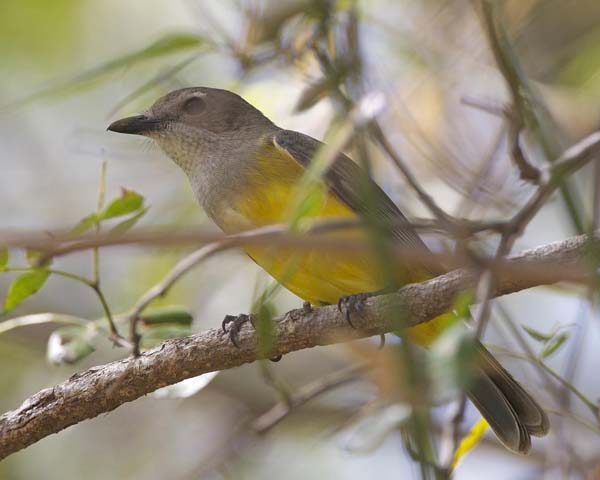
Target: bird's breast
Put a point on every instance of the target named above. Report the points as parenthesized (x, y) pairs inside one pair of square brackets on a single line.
[(271, 192)]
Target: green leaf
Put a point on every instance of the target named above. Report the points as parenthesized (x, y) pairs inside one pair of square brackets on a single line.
[(125, 225), (462, 305), (264, 327), (553, 345), (167, 45), (159, 333), (168, 314), (127, 203), (153, 82), (3, 258), (85, 224), (68, 345), (24, 286), (537, 335)]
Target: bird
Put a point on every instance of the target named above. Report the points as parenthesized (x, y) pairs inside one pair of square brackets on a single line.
[(246, 173)]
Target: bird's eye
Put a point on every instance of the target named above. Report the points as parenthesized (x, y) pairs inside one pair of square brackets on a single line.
[(194, 105)]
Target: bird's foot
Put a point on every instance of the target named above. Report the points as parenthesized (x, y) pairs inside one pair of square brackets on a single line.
[(232, 325), (353, 305), (306, 308), (298, 313)]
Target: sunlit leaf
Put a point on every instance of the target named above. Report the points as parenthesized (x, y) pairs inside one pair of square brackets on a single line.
[(4, 257), (554, 345), (128, 223), (168, 314), (68, 345), (24, 286), (185, 388), (470, 441), (537, 335), (127, 203), (582, 67)]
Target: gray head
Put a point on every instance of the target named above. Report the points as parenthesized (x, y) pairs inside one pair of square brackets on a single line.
[(192, 123)]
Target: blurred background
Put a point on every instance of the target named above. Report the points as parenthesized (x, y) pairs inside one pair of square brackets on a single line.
[(70, 67)]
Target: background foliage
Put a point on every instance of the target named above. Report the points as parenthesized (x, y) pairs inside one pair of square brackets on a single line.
[(69, 67)]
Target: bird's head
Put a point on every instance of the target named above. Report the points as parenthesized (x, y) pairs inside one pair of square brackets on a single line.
[(191, 123)]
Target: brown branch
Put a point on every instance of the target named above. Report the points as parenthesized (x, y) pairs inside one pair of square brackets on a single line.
[(518, 114), (445, 219), (103, 388), (573, 159)]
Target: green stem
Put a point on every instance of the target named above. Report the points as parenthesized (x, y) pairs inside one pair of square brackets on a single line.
[(86, 281), (109, 317), (95, 283), (99, 207)]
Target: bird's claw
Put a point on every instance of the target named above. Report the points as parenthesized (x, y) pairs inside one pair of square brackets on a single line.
[(352, 304), (232, 325), (306, 308), (297, 314)]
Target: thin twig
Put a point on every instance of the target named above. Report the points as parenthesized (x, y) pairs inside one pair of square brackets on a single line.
[(115, 336), (570, 161), (527, 108), (282, 409), (161, 288), (427, 199), (528, 172)]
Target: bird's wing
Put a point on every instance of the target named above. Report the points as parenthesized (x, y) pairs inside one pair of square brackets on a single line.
[(346, 180)]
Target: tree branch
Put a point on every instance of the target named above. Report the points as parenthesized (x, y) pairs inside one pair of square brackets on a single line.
[(103, 388)]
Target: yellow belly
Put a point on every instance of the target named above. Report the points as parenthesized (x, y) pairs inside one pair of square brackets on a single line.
[(317, 276)]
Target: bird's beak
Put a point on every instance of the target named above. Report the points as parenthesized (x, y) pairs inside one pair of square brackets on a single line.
[(138, 125)]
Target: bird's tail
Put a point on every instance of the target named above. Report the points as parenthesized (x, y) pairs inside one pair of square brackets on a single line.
[(511, 412)]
